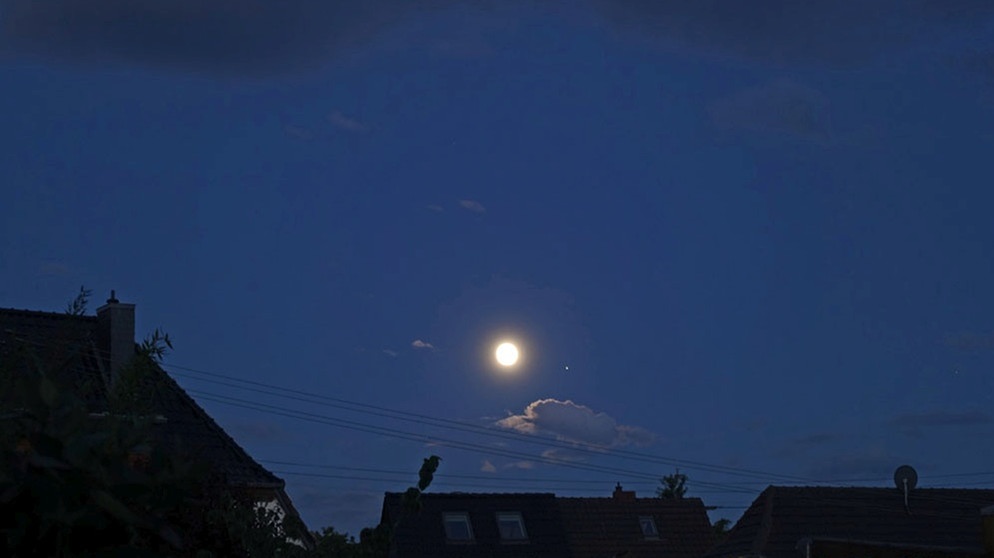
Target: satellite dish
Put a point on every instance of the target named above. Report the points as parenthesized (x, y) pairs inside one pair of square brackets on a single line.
[(906, 478)]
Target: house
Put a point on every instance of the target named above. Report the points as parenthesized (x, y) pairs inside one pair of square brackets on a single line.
[(812, 522), (89, 353), (624, 525), (543, 525), (525, 525)]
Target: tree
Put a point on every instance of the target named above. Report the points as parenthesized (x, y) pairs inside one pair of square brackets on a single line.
[(374, 542), (721, 528), (673, 487), (78, 305), (75, 483), (78, 483)]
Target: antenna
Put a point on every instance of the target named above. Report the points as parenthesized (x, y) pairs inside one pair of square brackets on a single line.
[(906, 479)]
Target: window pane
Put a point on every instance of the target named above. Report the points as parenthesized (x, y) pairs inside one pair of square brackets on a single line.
[(648, 527), (457, 527), (511, 526)]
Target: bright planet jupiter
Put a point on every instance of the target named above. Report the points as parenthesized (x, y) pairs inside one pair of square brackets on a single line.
[(507, 354)]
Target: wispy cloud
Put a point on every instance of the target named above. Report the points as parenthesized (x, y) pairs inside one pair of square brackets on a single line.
[(562, 454), (472, 205), (780, 107), (520, 465), (419, 344), (343, 122), (915, 424), (435, 208), (207, 37), (798, 446), (970, 341), (390, 353), (870, 463), (830, 33), (54, 269), (568, 421), (488, 467), (298, 132)]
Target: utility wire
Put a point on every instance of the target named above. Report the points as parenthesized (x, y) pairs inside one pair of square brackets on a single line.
[(455, 444), (396, 414)]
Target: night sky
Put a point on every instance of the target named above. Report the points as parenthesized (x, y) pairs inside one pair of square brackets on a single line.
[(752, 240)]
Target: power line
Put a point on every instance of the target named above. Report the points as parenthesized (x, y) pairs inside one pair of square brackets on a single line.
[(396, 414), (454, 444)]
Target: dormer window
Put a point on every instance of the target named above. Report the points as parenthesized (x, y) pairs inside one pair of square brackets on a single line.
[(648, 527), (511, 526), (457, 527)]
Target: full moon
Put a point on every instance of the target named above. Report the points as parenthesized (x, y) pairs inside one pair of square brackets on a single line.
[(507, 354)]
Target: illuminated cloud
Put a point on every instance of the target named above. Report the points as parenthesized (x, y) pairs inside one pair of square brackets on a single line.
[(488, 467), (568, 421), (390, 352), (343, 122), (419, 344), (472, 205), (560, 454)]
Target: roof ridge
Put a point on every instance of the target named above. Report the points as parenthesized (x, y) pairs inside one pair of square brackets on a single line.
[(47, 314), (210, 423)]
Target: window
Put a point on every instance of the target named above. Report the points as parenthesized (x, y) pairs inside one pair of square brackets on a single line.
[(457, 526), (511, 526), (648, 527)]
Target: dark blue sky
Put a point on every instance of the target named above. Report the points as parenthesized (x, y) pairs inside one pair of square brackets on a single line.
[(759, 238)]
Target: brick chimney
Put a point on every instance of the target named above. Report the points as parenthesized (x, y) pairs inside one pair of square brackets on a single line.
[(116, 334), (987, 515), (623, 495)]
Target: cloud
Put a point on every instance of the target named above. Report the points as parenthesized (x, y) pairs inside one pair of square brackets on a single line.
[(915, 424), (265, 37), (419, 344), (472, 205), (560, 454), (568, 421), (780, 107), (970, 341), (488, 467), (54, 269), (874, 462), (435, 208), (799, 446), (220, 37), (343, 122), (390, 353), (298, 132), (783, 31), (520, 465)]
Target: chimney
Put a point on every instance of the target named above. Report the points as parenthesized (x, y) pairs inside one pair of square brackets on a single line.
[(623, 495), (116, 334), (987, 515)]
